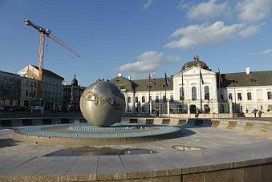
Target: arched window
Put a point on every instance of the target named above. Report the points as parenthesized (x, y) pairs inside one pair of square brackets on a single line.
[(143, 99), (206, 108), (181, 93), (194, 95), (206, 93)]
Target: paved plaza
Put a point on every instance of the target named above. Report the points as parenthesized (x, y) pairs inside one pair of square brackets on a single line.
[(196, 147)]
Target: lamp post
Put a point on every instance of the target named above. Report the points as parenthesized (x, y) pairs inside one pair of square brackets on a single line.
[(234, 91)]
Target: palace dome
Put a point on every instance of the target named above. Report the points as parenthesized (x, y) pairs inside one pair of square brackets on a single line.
[(195, 63), (74, 82)]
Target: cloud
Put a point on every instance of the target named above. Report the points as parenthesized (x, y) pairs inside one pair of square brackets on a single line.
[(184, 5), (206, 10), (147, 3), (254, 10), (267, 51), (204, 34), (147, 62), (250, 30), (263, 52)]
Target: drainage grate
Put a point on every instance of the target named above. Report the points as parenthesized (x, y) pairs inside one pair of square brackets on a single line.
[(186, 148)]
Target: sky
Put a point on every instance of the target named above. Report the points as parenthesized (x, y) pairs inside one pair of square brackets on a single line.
[(137, 37)]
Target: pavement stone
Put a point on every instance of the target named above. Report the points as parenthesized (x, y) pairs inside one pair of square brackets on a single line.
[(56, 166), (222, 148), (83, 165)]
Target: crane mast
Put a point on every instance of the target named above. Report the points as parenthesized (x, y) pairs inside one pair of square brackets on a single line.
[(43, 32), (46, 32)]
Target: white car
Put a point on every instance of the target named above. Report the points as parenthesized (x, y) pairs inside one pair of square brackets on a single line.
[(37, 109)]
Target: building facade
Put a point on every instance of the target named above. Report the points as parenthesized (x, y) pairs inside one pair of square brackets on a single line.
[(50, 89), (10, 89), (29, 91), (198, 89), (72, 94), (145, 96)]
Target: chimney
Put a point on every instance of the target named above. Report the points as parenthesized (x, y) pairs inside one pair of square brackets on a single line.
[(129, 77), (248, 70), (119, 74)]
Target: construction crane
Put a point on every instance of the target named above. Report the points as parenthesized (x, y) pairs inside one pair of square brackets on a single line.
[(45, 32)]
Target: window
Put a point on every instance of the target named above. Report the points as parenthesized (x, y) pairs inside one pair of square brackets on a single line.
[(157, 98), (269, 95), (129, 99), (136, 99), (230, 96), (143, 99), (194, 95), (239, 96), (143, 109), (206, 93), (249, 96), (181, 93), (206, 108), (150, 98), (26, 93), (171, 98), (164, 98), (241, 109), (269, 108)]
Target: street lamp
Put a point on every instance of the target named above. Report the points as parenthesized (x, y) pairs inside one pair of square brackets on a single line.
[(234, 90)]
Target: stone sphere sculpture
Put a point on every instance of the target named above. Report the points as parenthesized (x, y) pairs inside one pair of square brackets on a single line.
[(102, 104)]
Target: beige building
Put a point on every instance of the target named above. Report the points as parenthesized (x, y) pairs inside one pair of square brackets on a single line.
[(29, 91), (51, 86)]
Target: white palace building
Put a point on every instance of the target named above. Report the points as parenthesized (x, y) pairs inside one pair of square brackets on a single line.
[(196, 88)]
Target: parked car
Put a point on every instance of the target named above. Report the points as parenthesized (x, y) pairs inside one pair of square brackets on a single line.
[(37, 109)]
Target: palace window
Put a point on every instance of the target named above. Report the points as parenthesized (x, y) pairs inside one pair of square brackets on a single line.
[(157, 98), (230, 96), (239, 96), (164, 98), (249, 96), (143, 99), (269, 95), (269, 108), (171, 98), (143, 109), (181, 93), (206, 93), (194, 95)]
